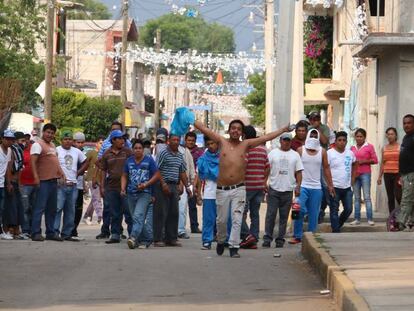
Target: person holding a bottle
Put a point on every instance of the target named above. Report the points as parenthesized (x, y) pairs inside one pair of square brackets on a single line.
[(285, 178)]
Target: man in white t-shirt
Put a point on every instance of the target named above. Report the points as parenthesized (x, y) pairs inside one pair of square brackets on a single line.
[(343, 170), (5, 170), (285, 177), (208, 169), (69, 158)]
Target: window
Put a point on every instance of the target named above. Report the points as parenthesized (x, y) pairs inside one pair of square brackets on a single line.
[(373, 7)]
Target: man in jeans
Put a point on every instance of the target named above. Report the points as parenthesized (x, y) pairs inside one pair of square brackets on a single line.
[(285, 177), (112, 164), (257, 172), (69, 158), (46, 172), (406, 164), (28, 189), (343, 171)]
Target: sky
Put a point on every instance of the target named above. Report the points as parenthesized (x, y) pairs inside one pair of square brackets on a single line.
[(231, 13)]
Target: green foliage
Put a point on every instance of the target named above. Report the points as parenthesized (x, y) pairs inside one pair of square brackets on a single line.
[(180, 33), (318, 58), (93, 9), (21, 27), (75, 111), (255, 102)]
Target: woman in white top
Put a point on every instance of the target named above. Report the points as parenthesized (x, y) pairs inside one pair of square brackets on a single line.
[(313, 158)]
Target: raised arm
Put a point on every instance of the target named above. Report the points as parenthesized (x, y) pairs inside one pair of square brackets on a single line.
[(254, 142), (208, 132)]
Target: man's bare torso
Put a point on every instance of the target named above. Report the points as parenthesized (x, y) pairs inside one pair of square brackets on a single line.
[(232, 166)]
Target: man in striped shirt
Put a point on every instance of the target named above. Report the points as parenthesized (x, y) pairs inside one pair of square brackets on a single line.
[(173, 170), (257, 172)]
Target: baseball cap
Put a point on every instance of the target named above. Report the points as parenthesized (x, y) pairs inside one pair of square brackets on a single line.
[(162, 137), (286, 136), (19, 135), (79, 136), (116, 134), (8, 134), (66, 134)]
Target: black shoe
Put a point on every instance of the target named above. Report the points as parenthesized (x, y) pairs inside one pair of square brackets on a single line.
[(54, 238), (184, 236), (38, 238), (112, 241), (71, 239), (195, 230), (266, 244), (123, 237), (220, 249), (234, 252), (102, 236), (280, 243)]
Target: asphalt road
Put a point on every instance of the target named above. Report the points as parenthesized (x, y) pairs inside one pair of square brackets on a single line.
[(91, 275)]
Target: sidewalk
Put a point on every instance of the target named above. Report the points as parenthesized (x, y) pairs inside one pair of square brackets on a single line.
[(365, 270)]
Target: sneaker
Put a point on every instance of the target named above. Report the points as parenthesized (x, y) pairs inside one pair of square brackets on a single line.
[(371, 223), (112, 241), (295, 241), (24, 236), (54, 238), (280, 243), (131, 243), (356, 222), (102, 236), (71, 239), (220, 249), (77, 238), (159, 244), (38, 238), (266, 244), (206, 247), (6, 236), (234, 252), (87, 221), (183, 235), (142, 246)]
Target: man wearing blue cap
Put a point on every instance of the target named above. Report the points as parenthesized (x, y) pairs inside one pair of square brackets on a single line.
[(112, 164)]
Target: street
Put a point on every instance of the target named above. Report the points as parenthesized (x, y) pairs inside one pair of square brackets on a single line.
[(91, 275)]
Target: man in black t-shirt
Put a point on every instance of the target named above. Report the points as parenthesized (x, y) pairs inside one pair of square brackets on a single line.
[(406, 169)]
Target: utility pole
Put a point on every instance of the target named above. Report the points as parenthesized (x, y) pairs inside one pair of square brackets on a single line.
[(157, 82), (123, 58), (187, 79), (49, 60), (269, 34)]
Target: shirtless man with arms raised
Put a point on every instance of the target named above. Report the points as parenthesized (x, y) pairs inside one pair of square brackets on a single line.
[(231, 190)]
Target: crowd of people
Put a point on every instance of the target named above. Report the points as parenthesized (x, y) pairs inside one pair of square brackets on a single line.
[(152, 187)]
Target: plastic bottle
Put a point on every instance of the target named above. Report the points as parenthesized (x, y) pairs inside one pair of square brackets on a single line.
[(295, 209)]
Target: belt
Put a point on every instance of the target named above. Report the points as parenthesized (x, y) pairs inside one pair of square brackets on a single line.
[(172, 182), (230, 187), (70, 183)]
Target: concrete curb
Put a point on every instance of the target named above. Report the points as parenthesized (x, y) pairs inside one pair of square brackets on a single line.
[(341, 287)]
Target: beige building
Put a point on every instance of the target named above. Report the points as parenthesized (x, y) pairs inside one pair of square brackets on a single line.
[(372, 83)]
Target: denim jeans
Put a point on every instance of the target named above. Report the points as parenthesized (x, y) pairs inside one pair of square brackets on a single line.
[(117, 205), (253, 200), (28, 199), (182, 210), (310, 203), (78, 212), (363, 181), (13, 214), (46, 202), (193, 213), (1, 208), (277, 200), (106, 218), (66, 198), (139, 208), (344, 196), (209, 220)]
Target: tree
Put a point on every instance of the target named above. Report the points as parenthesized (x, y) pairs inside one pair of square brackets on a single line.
[(93, 9), (21, 27), (180, 33), (255, 102), (75, 110)]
